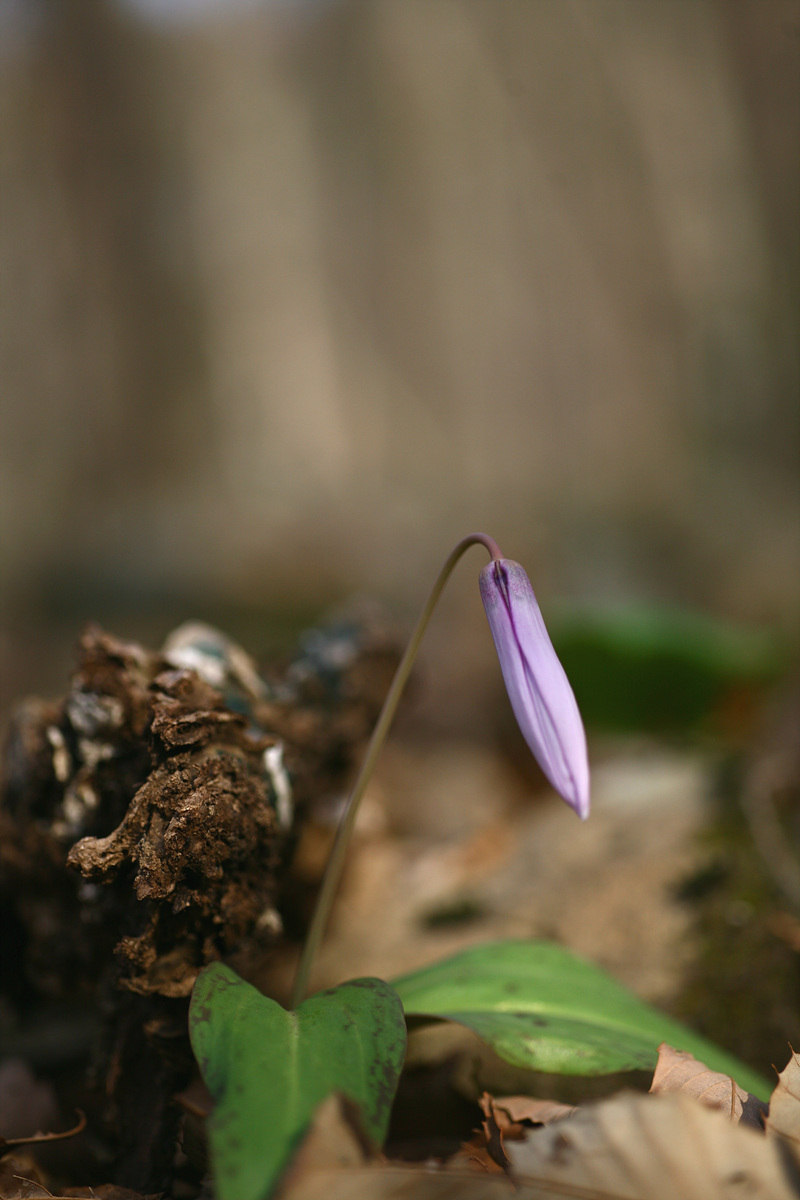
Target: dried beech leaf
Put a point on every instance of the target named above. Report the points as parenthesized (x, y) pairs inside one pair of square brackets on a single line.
[(679, 1071), (784, 1105), (334, 1160), (509, 1117), (406, 1183), (104, 1191), (20, 1178), (635, 1147), (493, 1133), (631, 1147), (524, 1109), (334, 1139)]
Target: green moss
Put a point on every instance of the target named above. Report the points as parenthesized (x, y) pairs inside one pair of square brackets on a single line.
[(744, 989)]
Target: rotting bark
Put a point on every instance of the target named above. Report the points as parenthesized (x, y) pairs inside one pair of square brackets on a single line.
[(146, 825)]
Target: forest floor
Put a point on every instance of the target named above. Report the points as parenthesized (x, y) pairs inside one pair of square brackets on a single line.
[(668, 886)]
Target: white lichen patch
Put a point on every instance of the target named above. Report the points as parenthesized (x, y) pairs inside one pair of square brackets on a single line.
[(279, 778), (62, 759)]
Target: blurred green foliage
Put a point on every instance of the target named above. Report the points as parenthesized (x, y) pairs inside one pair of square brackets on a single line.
[(661, 670)]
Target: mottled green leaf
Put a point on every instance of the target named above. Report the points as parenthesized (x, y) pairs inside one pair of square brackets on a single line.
[(269, 1069), (541, 1007)]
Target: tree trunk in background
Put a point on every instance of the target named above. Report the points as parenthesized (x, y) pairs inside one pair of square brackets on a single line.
[(290, 303)]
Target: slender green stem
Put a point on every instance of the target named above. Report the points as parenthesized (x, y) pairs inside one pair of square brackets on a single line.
[(335, 863)]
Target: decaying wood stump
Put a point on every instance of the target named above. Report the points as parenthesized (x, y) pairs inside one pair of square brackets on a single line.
[(146, 827)]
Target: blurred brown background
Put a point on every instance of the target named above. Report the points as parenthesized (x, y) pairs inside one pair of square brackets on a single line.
[(294, 295)]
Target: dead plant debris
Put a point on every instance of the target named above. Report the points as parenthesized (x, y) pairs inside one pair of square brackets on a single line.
[(147, 826)]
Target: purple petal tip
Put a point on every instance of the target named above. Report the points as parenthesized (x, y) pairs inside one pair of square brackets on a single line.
[(539, 691)]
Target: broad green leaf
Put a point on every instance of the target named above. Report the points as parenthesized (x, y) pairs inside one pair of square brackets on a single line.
[(540, 1007), (268, 1069)]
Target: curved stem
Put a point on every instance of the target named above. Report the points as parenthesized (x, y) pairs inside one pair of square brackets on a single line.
[(333, 870)]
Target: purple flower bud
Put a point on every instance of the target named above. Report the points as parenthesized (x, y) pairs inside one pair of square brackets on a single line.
[(540, 694)]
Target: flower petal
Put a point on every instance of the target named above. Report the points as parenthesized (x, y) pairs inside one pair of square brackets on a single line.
[(540, 694)]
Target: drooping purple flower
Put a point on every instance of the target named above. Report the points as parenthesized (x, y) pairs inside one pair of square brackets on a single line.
[(540, 694)]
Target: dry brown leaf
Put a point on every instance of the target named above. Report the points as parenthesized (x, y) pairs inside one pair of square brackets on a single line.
[(474, 1156), (20, 1178), (493, 1133), (525, 1110), (631, 1147), (334, 1139), (334, 1163), (679, 1071), (509, 1117), (784, 1105), (635, 1147), (104, 1191), (391, 1182)]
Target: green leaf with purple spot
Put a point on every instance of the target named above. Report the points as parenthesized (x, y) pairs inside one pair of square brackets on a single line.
[(268, 1070)]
